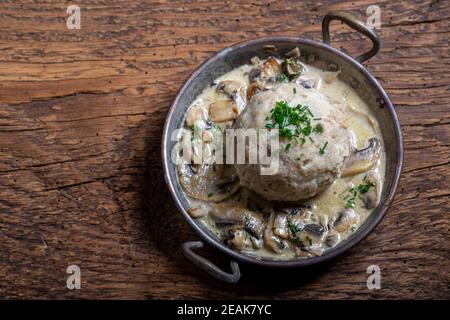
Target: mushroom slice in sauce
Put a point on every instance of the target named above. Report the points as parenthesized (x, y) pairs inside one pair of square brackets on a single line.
[(269, 70), (255, 60), (237, 237), (362, 160), (301, 210), (255, 87), (333, 237), (280, 226), (270, 48), (371, 197), (315, 230), (235, 90), (346, 220), (229, 87), (196, 112), (368, 117), (293, 67), (224, 110), (208, 182), (271, 241), (294, 53), (198, 211), (252, 222)]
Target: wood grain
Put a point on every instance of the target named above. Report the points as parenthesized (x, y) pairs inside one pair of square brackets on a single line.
[(81, 116)]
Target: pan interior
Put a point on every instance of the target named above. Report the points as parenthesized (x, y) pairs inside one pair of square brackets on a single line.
[(352, 73)]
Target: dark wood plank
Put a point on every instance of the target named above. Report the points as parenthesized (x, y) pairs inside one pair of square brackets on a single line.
[(81, 116)]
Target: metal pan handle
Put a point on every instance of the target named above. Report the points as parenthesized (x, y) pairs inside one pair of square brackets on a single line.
[(207, 265), (356, 25)]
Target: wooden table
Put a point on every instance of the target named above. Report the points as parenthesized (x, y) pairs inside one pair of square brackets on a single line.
[(81, 119)]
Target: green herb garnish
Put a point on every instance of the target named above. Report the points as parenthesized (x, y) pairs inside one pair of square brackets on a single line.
[(288, 147), (359, 190), (193, 131), (294, 123), (363, 188), (318, 128), (292, 227), (291, 121), (322, 149), (283, 78), (351, 198)]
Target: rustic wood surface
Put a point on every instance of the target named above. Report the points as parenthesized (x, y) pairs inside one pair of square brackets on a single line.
[(81, 117)]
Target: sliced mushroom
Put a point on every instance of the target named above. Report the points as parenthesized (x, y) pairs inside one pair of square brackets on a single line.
[(332, 239), (293, 67), (300, 251), (255, 73), (257, 243), (362, 160), (295, 225), (346, 220), (371, 198), (316, 250), (368, 117), (274, 243), (269, 70), (195, 113), (270, 48), (251, 222), (294, 53), (324, 222), (303, 211), (237, 237), (255, 87), (315, 230), (208, 182), (198, 211), (224, 110), (280, 226), (235, 90), (310, 239), (254, 225), (255, 60), (229, 87)]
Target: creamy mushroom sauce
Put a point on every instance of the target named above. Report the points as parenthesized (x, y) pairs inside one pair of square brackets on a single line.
[(301, 230)]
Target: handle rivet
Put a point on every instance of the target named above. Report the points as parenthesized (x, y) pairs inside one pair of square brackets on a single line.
[(354, 83), (333, 67), (381, 102), (310, 58)]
